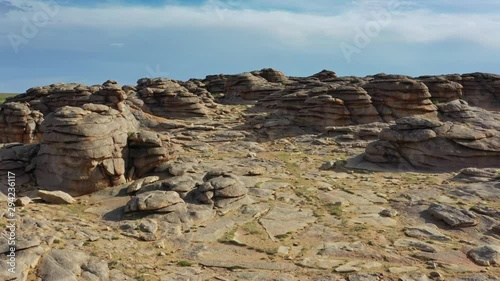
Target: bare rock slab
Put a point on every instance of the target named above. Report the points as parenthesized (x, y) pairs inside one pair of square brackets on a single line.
[(426, 232), (56, 197), (486, 255), (452, 216), (285, 219)]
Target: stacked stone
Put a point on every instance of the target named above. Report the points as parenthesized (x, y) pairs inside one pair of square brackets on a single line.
[(166, 98), (271, 75), (82, 149), (220, 189), (442, 89), (358, 102), (198, 88), (396, 96), (16, 159), (147, 151), (18, 123), (325, 75), (110, 94), (435, 146), (248, 87), (323, 111), (133, 98), (49, 98), (290, 100), (216, 84), (481, 90), (456, 109)]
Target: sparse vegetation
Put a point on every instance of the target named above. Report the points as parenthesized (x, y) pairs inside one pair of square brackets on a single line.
[(3, 97), (184, 263)]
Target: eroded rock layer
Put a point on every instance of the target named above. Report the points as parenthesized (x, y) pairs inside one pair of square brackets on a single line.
[(82, 149)]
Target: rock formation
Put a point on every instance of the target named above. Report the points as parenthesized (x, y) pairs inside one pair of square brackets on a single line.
[(16, 159), (249, 87), (442, 89), (82, 149), (220, 188), (147, 151), (395, 97), (434, 146), (49, 98), (480, 89), (167, 98), (18, 123)]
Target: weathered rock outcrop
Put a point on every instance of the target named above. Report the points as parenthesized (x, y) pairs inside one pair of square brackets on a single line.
[(147, 151), (83, 149), (397, 96), (320, 105), (49, 98), (480, 89), (167, 98), (18, 123), (16, 159), (433, 145), (249, 87), (220, 188), (442, 89), (325, 75)]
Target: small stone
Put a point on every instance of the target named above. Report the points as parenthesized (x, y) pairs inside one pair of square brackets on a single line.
[(23, 201), (252, 155), (328, 165), (436, 275), (257, 171), (389, 213)]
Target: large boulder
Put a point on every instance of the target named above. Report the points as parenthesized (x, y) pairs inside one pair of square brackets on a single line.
[(220, 189), (83, 149)]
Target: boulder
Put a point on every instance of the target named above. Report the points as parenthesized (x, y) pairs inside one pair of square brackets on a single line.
[(56, 197), (452, 216), (156, 201), (147, 151), (220, 188), (83, 149)]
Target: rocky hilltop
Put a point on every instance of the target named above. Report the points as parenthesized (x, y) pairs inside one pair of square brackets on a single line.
[(255, 176)]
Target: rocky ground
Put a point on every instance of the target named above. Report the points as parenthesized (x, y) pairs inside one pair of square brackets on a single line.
[(247, 195)]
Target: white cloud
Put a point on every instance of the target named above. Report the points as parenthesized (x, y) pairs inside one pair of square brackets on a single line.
[(413, 24)]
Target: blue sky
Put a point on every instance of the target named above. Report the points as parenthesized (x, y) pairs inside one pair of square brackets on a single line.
[(88, 41)]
